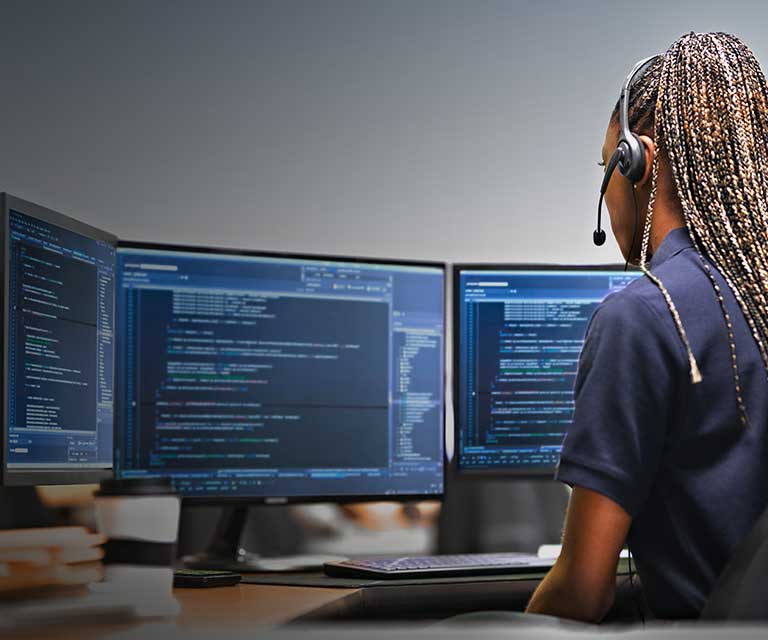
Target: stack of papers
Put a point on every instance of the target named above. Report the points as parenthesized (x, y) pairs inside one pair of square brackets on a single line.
[(47, 557)]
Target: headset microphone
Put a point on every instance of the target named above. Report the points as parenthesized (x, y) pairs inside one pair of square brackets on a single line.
[(598, 236)]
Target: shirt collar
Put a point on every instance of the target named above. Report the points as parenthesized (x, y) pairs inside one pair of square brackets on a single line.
[(674, 242)]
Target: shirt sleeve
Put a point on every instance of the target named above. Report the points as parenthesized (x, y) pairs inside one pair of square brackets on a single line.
[(627, 381)]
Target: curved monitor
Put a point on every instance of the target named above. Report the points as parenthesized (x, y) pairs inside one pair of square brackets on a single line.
[(518, 333), (58, 338), (274, 378)]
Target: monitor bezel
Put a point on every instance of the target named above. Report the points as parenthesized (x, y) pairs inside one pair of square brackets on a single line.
[(28, 477), (307, 499), (542, 473)]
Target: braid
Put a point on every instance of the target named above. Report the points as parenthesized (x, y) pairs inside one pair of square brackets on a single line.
[(710, 117)]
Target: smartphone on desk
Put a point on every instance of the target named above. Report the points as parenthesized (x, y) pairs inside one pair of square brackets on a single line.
[(205, 578)]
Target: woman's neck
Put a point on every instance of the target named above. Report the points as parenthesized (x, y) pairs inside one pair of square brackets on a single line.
[(667, 211)]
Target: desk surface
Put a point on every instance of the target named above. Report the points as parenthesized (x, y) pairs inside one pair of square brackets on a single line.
[(269, 606), (241, 606), (256, 604), (274, 605)]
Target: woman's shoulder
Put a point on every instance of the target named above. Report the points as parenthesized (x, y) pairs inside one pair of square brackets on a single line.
[(639, 298), (638, 313)]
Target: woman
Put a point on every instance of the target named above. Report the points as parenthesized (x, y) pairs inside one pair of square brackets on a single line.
[(669, 440)]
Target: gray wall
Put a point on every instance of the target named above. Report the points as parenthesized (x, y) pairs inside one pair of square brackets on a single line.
[(438, 130)]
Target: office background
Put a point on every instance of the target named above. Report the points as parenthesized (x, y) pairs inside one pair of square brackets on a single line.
[(442, 130), (421, 129)]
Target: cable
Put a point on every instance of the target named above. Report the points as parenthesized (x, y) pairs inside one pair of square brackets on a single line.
[(634, 229), (638, 604)]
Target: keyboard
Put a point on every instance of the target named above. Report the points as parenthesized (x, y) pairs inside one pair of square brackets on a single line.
[(473, 564)]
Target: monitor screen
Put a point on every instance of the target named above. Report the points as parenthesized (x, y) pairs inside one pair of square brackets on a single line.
[(518, 337), (59, 356), (266, 377)]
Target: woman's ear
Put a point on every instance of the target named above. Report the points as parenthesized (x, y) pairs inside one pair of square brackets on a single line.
[(650, 149)]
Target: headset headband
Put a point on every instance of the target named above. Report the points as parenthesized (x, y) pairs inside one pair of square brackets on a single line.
[(638, 70)]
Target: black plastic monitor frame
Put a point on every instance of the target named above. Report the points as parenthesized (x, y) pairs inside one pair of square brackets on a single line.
[(24, 477), (543, 473), (223, 500)]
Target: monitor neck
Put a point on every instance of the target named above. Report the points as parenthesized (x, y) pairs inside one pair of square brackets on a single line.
[(225, 542)]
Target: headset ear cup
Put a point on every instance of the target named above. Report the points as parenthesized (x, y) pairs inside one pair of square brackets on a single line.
[(633, 165)]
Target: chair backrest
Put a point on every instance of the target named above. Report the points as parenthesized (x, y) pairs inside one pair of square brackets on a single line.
[(740, 591)]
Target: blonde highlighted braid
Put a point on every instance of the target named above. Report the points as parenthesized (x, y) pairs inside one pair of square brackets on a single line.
[(706, 103)]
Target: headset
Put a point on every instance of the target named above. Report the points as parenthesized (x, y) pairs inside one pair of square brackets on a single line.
[(629, 155)]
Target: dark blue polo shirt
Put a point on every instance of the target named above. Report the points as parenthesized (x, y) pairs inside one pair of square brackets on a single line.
[(674, 455)]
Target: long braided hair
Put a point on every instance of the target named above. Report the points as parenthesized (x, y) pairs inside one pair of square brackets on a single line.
[(705, 103)]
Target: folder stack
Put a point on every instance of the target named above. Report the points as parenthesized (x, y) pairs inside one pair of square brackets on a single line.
[(48, 557)]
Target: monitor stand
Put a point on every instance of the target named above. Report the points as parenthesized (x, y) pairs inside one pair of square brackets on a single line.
[(225, 553)]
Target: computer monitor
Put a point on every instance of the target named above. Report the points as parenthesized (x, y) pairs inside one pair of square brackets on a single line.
[(274, 378), (58, 355), (518, 333)]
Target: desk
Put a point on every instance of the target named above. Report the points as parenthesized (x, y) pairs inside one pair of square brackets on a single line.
[(275, 605), (238, 607), (257, 605), (415, 599), (265, 605)]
